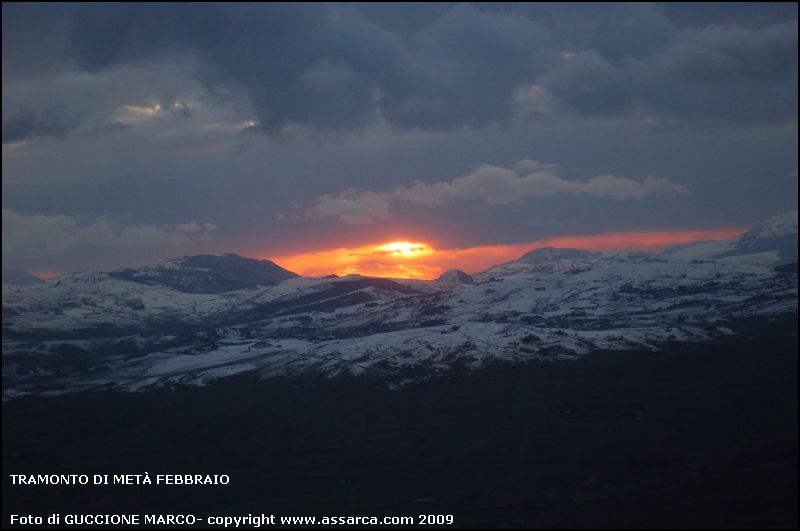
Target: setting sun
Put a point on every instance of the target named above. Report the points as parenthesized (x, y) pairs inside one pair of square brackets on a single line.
[(416, 260), (405, 249), (399, 259)]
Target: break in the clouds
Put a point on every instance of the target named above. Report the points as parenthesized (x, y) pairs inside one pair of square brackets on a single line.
[(493, 185), (400, 120)]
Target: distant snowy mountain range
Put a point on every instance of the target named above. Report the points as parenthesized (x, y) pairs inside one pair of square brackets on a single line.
[(773, 242), (15, 277), (195, 319)]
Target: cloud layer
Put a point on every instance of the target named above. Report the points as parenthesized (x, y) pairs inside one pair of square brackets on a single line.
[(27, 123), (34, 241), (493, 185), (332, 67), (149, 115)]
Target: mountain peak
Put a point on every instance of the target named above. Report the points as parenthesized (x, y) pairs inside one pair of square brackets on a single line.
[(783, 224), (208, 273), (455, 276), (17, 277), (773, 241), (777, 234)]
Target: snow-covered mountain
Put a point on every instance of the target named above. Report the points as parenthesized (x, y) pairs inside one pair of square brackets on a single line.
[(773, 242), (196, 319), (776, 235), (16, 277), (455, 276), (208, 273)]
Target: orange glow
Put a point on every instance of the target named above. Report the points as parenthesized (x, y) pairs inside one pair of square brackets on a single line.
[(405, 249), (400, 259), (404, 259), (43, 274)]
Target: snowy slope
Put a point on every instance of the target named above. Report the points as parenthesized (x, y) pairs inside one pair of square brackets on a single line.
[(98, 330), (772, 242), (777, 235), (15, 277), (208, 273), (702, 250), (455, 276)]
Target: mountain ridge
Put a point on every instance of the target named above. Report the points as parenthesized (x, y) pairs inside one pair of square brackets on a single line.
[(91, 330), (776, 232)]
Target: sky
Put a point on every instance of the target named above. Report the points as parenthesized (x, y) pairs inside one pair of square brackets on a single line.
[(316, 134)]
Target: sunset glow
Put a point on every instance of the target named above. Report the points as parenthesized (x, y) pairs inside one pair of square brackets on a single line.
[(43, 274), (405, 259), (405, 249), (399, 259)]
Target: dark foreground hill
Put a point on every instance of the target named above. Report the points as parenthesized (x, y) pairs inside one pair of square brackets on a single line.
[(702, 435)]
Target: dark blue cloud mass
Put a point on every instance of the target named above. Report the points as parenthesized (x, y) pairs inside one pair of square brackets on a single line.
[(334, 67), (270, 122), (27, 123)]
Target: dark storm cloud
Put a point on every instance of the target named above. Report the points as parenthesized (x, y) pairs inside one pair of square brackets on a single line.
[(707, 77), (334, 68), (158, 114), (34, 38), (26, 124), (744, 14), (457, 77), (106, 129), (315, 65)]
